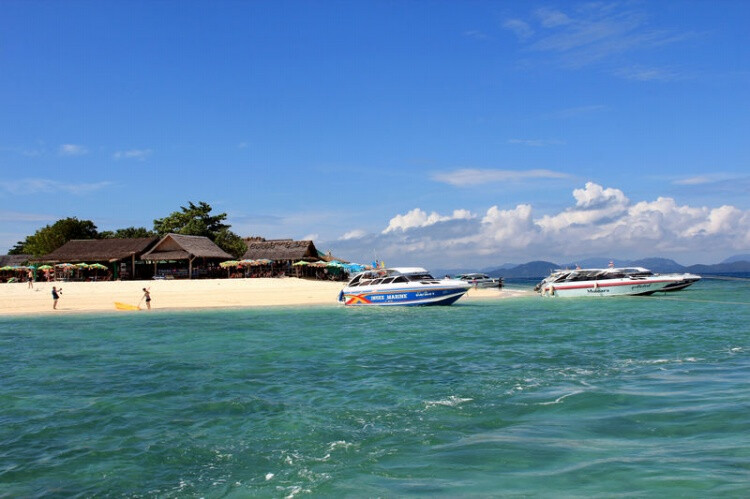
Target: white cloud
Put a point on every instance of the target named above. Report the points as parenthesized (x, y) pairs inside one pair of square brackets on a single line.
[(521, 29), (353, 234), (418, 218), (474, 176), (41, 185), (641, 73), (138, 154), (72, 150), (600, 222), (591, 33), (551, 18)]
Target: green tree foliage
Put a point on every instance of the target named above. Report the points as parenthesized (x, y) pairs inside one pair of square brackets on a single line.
[(231, 243), (196, 220), (127, 233), (51, 237), (192, 221)]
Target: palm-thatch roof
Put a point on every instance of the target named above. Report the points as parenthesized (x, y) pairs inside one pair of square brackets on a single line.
[(181, 247), (98, 250), (280, 250), (13, 260)]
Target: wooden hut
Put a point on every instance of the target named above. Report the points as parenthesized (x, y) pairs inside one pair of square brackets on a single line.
[(14, 260), (281, 251), (183, 250), (121, 254)]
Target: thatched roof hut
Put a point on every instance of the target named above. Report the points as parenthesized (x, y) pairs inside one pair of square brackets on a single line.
[(181, 247), (14, 260), (99, 250), (280, 250)]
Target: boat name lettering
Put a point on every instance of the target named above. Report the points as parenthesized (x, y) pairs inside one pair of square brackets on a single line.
[(597, 290), (396, 297)]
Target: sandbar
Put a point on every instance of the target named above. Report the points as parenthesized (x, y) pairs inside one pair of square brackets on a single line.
[(79, 297)]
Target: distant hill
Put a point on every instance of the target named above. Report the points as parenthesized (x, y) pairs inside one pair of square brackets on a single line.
[(540, 269), (737, 258), (720, 268), (658, 264), (526, 270)]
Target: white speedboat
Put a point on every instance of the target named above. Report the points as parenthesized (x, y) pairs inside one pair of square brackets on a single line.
[(401, 286), (612, 282), (481, 280)]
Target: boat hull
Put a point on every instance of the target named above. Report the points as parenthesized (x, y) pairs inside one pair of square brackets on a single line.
[(615, 287), (402, 297)]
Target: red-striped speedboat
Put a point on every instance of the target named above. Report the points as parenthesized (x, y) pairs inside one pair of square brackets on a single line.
[(612, 282)]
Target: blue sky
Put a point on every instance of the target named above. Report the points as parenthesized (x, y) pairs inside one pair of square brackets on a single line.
[(424, 133)]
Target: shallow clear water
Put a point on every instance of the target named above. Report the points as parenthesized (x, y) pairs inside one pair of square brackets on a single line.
[(527, 396)]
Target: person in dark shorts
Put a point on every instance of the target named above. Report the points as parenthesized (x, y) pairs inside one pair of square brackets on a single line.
[(55, 296), (147, 297)]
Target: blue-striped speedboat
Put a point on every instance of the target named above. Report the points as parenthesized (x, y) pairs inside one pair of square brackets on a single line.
[(401, 286)]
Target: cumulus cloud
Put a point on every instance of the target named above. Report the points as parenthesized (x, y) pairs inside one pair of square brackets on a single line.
[(418, 218), (474, 176), (601, 221), (72, 150), (353, 234)]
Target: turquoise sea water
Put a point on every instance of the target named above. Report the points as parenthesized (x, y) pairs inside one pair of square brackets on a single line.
[(643, 396)]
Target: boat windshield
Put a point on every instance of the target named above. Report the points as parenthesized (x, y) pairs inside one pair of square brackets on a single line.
[(420, 277)]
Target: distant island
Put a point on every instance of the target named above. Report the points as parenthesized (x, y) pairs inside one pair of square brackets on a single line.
[(539, 269)]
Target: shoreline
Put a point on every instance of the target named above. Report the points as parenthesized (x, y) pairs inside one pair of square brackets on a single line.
[(16, 299)]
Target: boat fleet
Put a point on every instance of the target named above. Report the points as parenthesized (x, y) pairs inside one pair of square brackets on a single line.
[(415, 286)]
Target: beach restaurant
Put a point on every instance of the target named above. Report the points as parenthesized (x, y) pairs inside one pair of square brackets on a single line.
[(290, 257), (122, 257), (180, 256)]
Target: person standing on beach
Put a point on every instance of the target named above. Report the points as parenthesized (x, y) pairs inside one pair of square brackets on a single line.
[(147, 297), (31, 279), (55, 296)]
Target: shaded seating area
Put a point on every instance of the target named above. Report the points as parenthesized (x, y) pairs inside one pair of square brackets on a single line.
[(178, 256), (97, 259), (13, 268), (283, 253)]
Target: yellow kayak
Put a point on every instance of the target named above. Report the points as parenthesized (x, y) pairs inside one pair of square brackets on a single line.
[(125, 306)]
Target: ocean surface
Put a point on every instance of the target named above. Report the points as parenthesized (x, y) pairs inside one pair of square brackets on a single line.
[(641, 396)]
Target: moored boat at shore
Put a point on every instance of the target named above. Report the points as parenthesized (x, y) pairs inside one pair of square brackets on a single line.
[(401, 286), (633, 281)]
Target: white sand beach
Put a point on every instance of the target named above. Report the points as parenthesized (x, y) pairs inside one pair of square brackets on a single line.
[(18, 299)]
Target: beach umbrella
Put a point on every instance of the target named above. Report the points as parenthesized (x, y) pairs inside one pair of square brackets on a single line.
[(7, 267), (246, 263), (82, 265), (98, 266), (229, 263), (300, 263), (44, 267)]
